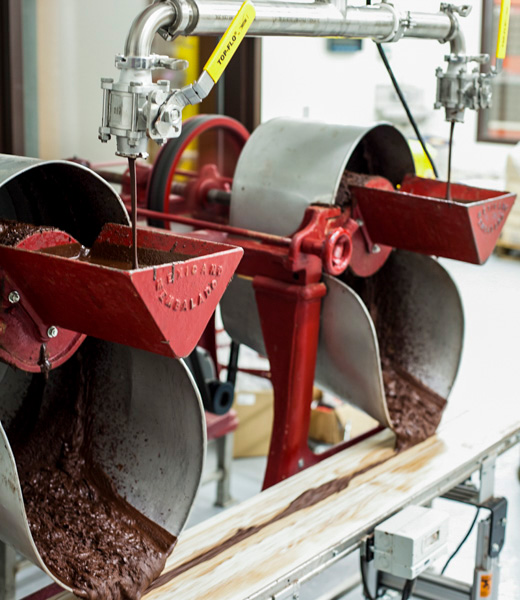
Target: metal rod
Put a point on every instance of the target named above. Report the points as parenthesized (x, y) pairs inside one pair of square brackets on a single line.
[(269, 238), (133, 192)]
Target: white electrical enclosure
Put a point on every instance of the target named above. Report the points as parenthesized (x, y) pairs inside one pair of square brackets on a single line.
[(407, 543)]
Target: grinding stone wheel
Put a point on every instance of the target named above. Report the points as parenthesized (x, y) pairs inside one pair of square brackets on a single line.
[(148, 434)]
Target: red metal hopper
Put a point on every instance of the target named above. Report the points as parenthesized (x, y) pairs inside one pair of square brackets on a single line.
[(162, 307), (418, 217)]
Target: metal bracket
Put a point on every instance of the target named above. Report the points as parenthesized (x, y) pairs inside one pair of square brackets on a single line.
[(497, 534)]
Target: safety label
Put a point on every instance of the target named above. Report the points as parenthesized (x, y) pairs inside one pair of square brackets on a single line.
[(485, 586)]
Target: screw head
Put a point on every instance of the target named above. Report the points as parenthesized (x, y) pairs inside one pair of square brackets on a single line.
[(376, 249), (14, 297), (52, 332), (495, 547), (301, 463)]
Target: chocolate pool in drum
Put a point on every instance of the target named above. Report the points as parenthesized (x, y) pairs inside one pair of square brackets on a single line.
[(87, 534)]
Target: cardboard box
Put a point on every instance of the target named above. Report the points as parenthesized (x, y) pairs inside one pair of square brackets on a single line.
[(255, 420), (341, 423)]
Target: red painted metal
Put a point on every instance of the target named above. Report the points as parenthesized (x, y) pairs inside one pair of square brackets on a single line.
[(367, 256), (163, 307), (194, 195), (24, 338), (287, 272), (220, 425), (418, 217)]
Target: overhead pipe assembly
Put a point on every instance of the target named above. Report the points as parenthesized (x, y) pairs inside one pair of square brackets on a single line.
[(135, 108)]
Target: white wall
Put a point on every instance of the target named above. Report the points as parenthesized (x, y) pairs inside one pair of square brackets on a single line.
[(337, 87), (77, 43)]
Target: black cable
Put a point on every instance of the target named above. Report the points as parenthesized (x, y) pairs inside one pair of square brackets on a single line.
[(407, 590), (398, 91), (364, 583), (464, 540)]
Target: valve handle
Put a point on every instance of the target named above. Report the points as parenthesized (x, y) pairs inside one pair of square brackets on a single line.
[(503, 30), (219, 59), (230, 41)]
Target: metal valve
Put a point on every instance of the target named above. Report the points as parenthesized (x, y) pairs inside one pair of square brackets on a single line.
[(458, 89), (135, 108)]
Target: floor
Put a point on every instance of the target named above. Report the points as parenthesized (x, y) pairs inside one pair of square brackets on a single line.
[(491, 296)]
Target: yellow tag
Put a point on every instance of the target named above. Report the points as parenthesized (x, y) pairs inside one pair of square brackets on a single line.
[(485, 586), (230, 41), (503, 28)]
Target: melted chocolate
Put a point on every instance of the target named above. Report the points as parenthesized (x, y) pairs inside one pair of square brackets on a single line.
[(305, 500), (415, 410), (115, 256), (87, 534)]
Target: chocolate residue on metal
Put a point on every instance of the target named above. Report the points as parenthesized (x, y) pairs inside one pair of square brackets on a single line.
[(115, 256), (13, 232), (87, 534), (415, 410)]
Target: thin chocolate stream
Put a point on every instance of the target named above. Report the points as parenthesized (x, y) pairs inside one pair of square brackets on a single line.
[(133, 193), (305, 500)]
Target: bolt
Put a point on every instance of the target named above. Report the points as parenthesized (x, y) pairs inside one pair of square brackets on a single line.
[(503, 522), (52, 332), (300, 463), (334, 553), (376, 249), (107, 80), (14, 297), (495, 547)]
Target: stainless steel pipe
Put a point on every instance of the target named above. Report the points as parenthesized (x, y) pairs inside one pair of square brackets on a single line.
[(315, 19), (146, 25)]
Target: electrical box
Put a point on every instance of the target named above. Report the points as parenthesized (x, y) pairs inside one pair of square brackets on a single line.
[(407, 543)]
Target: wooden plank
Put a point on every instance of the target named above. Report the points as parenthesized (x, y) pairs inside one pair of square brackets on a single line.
[(240, 551)]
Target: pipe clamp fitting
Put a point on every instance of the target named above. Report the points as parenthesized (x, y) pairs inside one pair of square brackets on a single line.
[(398, 27), (186, 18)]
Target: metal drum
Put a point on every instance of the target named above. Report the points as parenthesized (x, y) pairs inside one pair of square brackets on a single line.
[(286, 166), (148, 432), (59, 194), (289, 164), (148, 435)]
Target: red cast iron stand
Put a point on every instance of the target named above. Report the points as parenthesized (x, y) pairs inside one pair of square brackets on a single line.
[(287, 275), (290, 318)]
